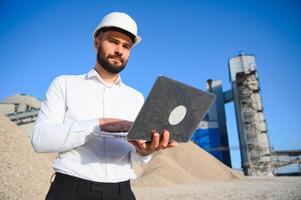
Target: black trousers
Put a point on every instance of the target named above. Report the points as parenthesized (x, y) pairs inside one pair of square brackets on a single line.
[(65, 187)]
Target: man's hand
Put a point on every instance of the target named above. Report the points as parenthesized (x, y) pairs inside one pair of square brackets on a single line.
[(114, 125), (144, 148)]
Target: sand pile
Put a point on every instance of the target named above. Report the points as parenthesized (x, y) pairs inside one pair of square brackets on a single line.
[(24, 173), (186, 163)]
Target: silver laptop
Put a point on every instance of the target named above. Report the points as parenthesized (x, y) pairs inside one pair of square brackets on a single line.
[(173, 106)]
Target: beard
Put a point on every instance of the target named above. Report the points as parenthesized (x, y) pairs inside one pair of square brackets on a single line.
[(111, 68)]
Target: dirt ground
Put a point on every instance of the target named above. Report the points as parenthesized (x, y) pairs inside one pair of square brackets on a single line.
[(255, 188)]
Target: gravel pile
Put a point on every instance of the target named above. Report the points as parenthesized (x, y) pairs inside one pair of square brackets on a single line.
[(186, 163), (24, 173)]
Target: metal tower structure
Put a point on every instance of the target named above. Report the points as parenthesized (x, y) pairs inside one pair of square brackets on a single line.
[(251, 124)]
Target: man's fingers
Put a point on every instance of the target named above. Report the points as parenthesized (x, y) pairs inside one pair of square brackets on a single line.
[(114, 125), (173, 143), (138, 144), (126, 124), (155, 141), (164, 139), (141, 144)]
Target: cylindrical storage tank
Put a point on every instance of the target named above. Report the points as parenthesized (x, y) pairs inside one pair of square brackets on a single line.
[(251, 123)]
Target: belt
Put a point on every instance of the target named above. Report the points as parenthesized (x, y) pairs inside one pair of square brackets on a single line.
[(91, 186)]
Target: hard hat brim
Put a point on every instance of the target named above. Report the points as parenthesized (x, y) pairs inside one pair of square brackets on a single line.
[(135, 38)]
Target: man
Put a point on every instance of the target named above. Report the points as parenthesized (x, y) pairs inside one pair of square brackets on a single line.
[(80, 115)]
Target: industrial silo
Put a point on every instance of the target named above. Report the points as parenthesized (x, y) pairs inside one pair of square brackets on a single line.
[(251, 123)]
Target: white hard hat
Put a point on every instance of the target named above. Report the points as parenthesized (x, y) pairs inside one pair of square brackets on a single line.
[(121, 21)]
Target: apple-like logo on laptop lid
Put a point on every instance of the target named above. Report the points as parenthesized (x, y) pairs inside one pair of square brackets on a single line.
[(177, 115)]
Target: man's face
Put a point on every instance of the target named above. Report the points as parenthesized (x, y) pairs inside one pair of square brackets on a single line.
[(113, 51)]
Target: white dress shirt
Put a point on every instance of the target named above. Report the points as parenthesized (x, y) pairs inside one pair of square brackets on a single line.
[(68, 123)]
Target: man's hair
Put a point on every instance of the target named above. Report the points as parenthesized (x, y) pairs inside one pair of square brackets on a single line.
[(104, 29)]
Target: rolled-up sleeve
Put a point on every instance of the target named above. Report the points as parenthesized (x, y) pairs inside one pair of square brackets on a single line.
[(50, 133)]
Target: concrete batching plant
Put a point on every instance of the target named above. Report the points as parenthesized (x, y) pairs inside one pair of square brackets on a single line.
[(251, 124)]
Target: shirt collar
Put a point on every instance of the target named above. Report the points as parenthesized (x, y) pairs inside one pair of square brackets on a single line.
[(93, 73)]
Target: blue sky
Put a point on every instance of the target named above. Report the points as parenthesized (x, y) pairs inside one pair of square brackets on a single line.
[(190, 41)]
